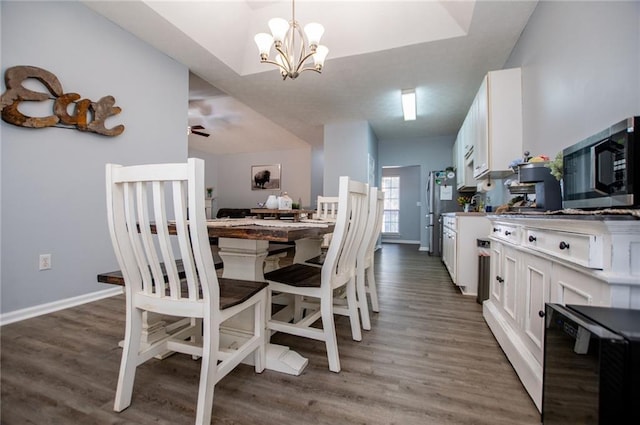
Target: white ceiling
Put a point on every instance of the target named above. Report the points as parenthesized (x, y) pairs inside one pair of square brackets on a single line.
[(376, 48)]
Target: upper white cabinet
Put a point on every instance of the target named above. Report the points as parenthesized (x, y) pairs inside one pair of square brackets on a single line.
[(493, 125), (463, 157)]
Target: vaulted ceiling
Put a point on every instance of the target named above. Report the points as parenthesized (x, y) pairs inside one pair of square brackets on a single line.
[(376, 48)]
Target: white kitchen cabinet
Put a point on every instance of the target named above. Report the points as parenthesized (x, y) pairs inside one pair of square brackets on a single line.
[(537, 281), (463, 158), (572, 260), (496, 124), (459, 253), (449, 251)]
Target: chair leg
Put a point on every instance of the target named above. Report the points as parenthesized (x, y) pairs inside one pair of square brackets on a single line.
[(352, 304), (208, 374), (297, 308), (331, 340), (260, 330), (373, 291), (129, 362), (362, 299)]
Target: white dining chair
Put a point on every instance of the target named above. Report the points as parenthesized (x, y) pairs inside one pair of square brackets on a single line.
[(365, 279), (338, 271), (327, 210), (139, 199)]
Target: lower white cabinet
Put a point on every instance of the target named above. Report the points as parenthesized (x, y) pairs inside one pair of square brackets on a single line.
[(567, 261), (460, 232)]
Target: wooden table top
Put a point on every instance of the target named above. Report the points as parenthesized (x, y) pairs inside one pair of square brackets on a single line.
[(264, 233), (269, 233), (261, 212)]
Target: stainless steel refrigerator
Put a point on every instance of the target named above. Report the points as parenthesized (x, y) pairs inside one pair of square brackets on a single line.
[(442, 197)]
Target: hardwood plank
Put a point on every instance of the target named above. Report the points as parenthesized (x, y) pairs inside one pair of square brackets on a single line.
[(429, 359)]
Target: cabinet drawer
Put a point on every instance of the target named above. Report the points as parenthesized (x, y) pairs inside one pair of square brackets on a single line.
[(506, 232), (449, 222), (582, 249)]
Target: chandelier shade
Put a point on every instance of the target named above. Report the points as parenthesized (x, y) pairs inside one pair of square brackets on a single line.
[(287, 38)]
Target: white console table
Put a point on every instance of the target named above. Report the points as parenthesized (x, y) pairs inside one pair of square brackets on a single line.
[(589, 260)]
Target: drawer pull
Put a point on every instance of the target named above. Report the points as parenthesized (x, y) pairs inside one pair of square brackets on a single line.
[(499, 279), (563, 245), (507, 233), (495, 229), (532, 238), (541, 313)]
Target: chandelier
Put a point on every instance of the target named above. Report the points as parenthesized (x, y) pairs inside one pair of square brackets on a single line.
[(287, 39)]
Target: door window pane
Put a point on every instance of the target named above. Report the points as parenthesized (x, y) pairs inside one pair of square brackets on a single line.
[(391, 216)]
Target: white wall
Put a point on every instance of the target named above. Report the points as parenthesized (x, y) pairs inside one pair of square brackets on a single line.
[(580, 70), (53, 190), (433, 153)]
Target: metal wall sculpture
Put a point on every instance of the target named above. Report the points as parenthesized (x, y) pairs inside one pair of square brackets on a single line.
[(87, 115)]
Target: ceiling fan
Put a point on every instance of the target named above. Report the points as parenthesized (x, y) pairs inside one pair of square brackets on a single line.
[(193, 129)]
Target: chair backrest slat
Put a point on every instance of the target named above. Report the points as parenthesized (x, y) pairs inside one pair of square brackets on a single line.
[(327, 208), (140, 197), (340, 261), (373, 226)]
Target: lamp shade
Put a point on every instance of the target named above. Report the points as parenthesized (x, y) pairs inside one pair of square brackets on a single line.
[(320, 55), (264, 42), (314, 32), (279, 28)]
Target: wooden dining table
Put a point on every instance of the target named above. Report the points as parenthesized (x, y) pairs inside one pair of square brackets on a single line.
[(244, 243)]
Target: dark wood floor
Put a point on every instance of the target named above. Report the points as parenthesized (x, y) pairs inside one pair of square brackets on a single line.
[(430, 359)]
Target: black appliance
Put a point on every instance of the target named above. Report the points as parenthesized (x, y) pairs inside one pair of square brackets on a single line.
[(547, 187), (591, 366), (602, 170)]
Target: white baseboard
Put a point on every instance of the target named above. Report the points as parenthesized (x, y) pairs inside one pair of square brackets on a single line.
[(401, 241), (39, 310), (423, 248)]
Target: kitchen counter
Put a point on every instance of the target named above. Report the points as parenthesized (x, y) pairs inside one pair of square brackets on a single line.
[(598, 215), (462, 214)]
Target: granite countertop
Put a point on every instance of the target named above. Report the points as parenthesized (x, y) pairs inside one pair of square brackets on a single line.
[(575, 214)]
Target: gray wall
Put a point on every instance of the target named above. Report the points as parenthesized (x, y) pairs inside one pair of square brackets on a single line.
[(429, 154), (53, 190), (580, 70), (410, 195), (347, 147), (234, 189)]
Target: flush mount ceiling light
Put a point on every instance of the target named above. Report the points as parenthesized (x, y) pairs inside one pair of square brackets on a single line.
[(287, 38), (409, 104)]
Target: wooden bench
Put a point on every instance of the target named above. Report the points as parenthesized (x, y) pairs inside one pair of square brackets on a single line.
[(115, 277)]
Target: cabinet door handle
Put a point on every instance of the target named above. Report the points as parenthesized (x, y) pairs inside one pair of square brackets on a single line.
[(532, 238), (541, 313), (563, 245), (507, 233), (495, 229), (499, 279)]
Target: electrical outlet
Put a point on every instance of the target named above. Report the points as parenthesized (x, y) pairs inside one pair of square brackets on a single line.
[(45, 261)]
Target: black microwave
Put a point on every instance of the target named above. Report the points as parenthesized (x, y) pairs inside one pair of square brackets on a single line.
[(591, 373), (603, 171)]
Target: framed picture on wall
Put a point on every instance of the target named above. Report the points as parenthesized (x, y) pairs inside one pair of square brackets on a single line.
[(265, 177)]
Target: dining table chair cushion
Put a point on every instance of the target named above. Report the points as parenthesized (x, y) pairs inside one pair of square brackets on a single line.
[(234, 292), (318, 260), (299, 275)]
